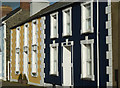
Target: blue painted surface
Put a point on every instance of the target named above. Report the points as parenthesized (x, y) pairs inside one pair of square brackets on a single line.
[(2, 49), (76, 37), (103, 46)]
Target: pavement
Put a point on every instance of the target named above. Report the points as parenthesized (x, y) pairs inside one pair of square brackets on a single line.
[(7, 84)]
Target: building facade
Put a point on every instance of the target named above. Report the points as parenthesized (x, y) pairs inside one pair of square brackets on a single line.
[(9, 20), (27, 52), (73, 45), (2, 52), (114, 20), (79, 45)]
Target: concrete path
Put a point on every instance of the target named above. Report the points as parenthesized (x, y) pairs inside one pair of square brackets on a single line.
[(6, 84)]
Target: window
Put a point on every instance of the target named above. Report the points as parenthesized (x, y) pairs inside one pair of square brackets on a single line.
[(25, 60), (26, 38), (26, 34), (67, 27), (34, 31), (87, 17), (34, 63), (87, 59), (18, 37), (54, 25), (34, 47), (54, 59), (17, 50), (17, 62), (1, 37)]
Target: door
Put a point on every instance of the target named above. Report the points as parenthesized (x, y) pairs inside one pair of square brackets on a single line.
[(67, 65), (9, 70), (1, 65)]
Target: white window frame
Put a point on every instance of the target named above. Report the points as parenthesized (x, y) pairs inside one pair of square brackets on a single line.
[(83, 57), (34, 36), (34, 48), (25, 60), (64, 27), (17, 60), (52, 70), (52, 35), (17, 66), (34, 70), (26, 26), (18, 37), (83, 18)]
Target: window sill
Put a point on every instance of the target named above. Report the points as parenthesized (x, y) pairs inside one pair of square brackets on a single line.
[(35, 75), (54, 74), (87, 32), (66, 35), (25, 49), (53, 37), (90, 78), (17, 72)]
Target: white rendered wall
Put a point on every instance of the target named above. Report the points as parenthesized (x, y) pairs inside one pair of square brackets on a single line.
[(36, 6)]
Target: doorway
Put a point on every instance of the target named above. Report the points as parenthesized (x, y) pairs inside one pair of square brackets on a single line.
[(67, 68), (1, 65)]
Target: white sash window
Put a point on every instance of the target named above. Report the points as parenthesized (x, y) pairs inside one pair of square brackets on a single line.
[(18, 37), (26, 34), (17, 50), (17, 63), (34, 63), (87, 59), (54, 59), (26, 38), (25, 68), (67, 20), (1, 37), (34, 47), (87, 17), (54, 25), (34, 32)]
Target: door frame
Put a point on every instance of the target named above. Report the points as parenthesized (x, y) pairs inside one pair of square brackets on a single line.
[(63, 44), (9, 70), (1, 71)]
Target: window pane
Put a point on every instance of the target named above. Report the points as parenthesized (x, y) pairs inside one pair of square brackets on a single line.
[(55, 66), (26, 36), (0, 39), (88, 10), (88, 51), (88, 24), (54, 25), (34, 62), (54, 21), (34, 33), (68, 21), (88, 16), (55, 58), (17, 61), (18, 37), (89, 65)]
